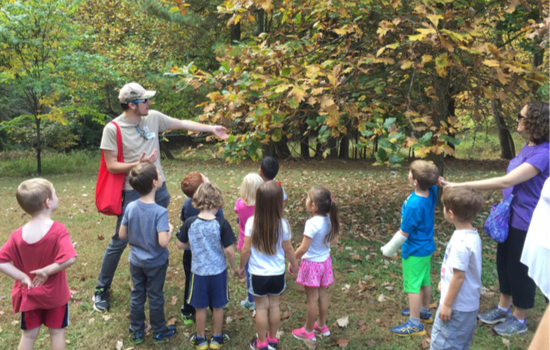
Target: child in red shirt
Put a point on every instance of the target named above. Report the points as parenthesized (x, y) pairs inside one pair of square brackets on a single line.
[(40, 252)]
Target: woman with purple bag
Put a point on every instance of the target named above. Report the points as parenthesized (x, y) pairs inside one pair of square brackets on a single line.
[(524, 178)]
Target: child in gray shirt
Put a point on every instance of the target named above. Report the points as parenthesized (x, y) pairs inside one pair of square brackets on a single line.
[(146, 225)]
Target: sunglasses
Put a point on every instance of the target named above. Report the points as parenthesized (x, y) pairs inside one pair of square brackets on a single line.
[(138, 101)]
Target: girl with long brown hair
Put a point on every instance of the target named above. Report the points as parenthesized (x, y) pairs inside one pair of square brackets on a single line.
[(266, 244), (320, 233)]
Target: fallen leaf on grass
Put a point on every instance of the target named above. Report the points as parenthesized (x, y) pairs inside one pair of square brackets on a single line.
[(1, 312), (343, 322), (240, 316), (426, 342), (356, 257), (364, 285), (381, 298), (506, 343), (100, 237), (342, 343), (371, 343), (310, 344), (174, 300), (171, 321), (279, 334), (367, 277), (346, 287), (229, 319), (119, 345), (286, 315), (91, 321), (67, 341), (0, 329), (434, 305), (147, 327), (13, 323), (106, 317)]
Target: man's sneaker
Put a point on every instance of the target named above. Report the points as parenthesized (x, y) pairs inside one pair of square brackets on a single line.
[(323, 331), (187, 318), (219, 342), (200, 344), (101, 299), (161, 337), (494, 316), (409, 329), (511, 327), (254, 345), (425, 317), (138, 337), (248, 305), (301, 334)]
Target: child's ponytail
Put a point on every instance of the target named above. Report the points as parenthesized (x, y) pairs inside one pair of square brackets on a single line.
[(334, 223), (322, 198)]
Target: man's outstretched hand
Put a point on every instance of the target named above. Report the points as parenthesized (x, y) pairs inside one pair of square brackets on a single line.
[(219, 131)]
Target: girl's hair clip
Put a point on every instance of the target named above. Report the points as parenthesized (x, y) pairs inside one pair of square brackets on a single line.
[(279, 183), (331, 198)]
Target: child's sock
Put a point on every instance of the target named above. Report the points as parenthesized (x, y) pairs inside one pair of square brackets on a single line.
[(217, 337), (522, 321), (272, 340), (415, 320), (424, 310), (504, 310)]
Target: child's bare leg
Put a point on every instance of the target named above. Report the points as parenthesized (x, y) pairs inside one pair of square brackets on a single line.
[(426, 295), (57, 338), (200, 321), (262, 306), (414, 303), (323, 307), (28, 338), (312, 307), (274, 315), (217, 313)]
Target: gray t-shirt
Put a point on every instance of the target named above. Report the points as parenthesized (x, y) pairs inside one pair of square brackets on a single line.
[(144, 222), (208, 239), (133, 144)]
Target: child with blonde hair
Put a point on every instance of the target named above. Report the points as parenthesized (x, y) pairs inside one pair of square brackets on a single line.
[(36, 256), (211, 239), (266, 244), (320, 233), (245, 209)]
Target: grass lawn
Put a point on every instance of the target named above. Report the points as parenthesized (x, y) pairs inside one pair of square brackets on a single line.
[(367, 287)]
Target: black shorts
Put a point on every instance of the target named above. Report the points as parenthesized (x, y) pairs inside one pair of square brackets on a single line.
[(262, 286)]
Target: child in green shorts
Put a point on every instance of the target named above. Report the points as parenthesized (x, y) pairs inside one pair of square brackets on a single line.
[(416, 237)]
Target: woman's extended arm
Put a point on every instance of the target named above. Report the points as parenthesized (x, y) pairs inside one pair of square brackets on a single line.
[(519, 175)]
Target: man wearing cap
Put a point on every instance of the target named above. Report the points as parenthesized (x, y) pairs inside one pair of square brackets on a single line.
[(140, 128)]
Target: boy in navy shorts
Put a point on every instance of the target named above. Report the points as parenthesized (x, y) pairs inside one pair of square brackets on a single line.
[(211, 239), (40, 252), (189, 186), (146, 225)]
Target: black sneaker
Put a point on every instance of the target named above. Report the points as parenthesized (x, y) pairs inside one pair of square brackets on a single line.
[(101, 299), (161, 337), (138, 337)]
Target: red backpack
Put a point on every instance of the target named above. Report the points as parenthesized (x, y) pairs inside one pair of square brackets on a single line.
[(108, 190)]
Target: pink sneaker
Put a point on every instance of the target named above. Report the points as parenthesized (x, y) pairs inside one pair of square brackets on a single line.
[(323, 331), (301, 334)]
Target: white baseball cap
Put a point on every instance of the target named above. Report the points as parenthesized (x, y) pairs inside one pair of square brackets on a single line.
[(133, 91)]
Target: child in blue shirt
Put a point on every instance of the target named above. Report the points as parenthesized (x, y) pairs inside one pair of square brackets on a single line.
[(211, 240), (145, 224), (189, 186), (416, 237)]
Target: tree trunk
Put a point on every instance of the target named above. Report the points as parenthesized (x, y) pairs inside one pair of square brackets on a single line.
[(507, 147), (260, 21), (38, 146), (269, 150), (332, 144), (235, 33), (282, 149), (304, 141), (451, 108), (164, 149), (344, 147)]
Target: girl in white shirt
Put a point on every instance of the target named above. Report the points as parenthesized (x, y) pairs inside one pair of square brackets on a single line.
[(315, 274), (266, 243)]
